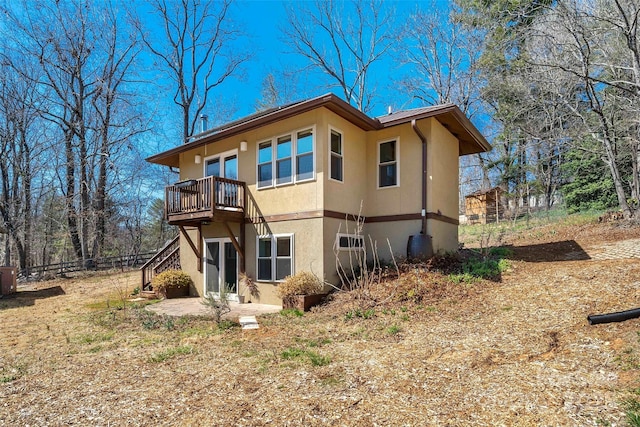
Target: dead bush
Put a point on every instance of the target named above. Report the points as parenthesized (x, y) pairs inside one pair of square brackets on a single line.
[(302, 283)]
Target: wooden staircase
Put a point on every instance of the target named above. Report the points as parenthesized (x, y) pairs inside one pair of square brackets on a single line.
[(167, 258)]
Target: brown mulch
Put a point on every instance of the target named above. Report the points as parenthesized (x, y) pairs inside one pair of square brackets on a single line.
[(516, 351)]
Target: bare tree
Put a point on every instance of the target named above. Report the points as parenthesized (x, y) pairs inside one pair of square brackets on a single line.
[(85, 71), (276, 90), (442, 58), (345, 41), (597, 46), (18, 142), (195, 52), (116, 123)]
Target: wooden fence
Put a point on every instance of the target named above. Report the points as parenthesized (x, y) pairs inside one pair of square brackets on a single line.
[(59, 269)]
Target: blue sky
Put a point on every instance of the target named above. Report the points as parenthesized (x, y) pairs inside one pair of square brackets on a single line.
[(263, 20)]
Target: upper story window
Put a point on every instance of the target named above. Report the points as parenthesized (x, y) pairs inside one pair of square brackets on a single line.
[(335, 156), (283, 160), (304, 155), (289, 159), (388, 164), (265, 166)]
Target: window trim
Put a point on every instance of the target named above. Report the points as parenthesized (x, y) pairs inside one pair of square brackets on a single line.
[(294, 157), (274, 255), (348, 248), (277, 160), (270, 142), (221, 156), (312, 153), (331, 154), (397, 163)]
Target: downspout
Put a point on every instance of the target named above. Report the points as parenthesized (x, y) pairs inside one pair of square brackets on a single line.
[(418, 132)]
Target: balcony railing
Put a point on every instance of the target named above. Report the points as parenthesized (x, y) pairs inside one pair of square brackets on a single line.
[(203, 198)]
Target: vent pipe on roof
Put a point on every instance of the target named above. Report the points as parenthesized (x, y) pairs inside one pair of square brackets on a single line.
[(203, 121), (389, 109)]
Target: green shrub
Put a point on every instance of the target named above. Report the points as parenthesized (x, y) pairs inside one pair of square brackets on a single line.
[(632, 411), (291, 312), (393, 330), (366, 314), (318, 359), (302, 283), (500, 252), (171, 279)]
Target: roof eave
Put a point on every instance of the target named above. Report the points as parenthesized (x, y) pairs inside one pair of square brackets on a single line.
[(456, 122), (329, 101)]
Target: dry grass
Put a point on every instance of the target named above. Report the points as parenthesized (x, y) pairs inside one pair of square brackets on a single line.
[(514, 352)]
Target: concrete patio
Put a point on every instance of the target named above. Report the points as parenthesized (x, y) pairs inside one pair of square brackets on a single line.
[(193, 307)]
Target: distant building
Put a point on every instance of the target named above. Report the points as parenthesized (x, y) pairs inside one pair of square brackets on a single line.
[(484, 207)]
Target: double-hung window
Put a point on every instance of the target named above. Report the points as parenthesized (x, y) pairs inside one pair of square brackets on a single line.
[(388, 164), (265, 165), (287, 159), (283, 160), (304, 155), (335, 155), (275, 257)]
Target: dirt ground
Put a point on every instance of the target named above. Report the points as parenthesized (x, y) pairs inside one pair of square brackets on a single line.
[(517, 351)]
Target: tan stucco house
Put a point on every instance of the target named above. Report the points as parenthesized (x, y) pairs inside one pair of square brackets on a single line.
[(279, 191)]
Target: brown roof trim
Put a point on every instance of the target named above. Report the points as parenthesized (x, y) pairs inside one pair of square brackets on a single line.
[(405, 116), (330, 101), (452, 118), (471, 140)]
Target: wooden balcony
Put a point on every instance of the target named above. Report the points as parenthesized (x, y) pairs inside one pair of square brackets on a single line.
[(211, 199)]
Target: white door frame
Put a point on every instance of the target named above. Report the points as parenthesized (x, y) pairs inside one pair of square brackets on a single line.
[(221, 262), (221, 156)]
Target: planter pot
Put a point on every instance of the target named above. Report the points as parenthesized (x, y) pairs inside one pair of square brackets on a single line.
[(302, 302), (169, 293), (240, 299)]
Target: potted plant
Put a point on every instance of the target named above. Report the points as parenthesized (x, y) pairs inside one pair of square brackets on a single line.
[(301, 291), (171, 284)]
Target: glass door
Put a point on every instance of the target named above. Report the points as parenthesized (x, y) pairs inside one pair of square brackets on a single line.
[(224, 165), (212, 267), (231, 268), (221, 267)]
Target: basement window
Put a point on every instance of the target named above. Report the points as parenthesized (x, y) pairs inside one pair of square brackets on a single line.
[(275, 257), (349, 242)]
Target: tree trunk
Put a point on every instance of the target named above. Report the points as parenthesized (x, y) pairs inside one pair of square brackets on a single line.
[(72, 214), (610, 160)]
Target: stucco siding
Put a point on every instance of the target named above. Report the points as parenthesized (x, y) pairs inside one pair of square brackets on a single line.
[(335, 259), (395, 234), (444, 236), (346, 196), (443, 164), (189, 262), (299, 196), (405, 197), (307, 251)]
